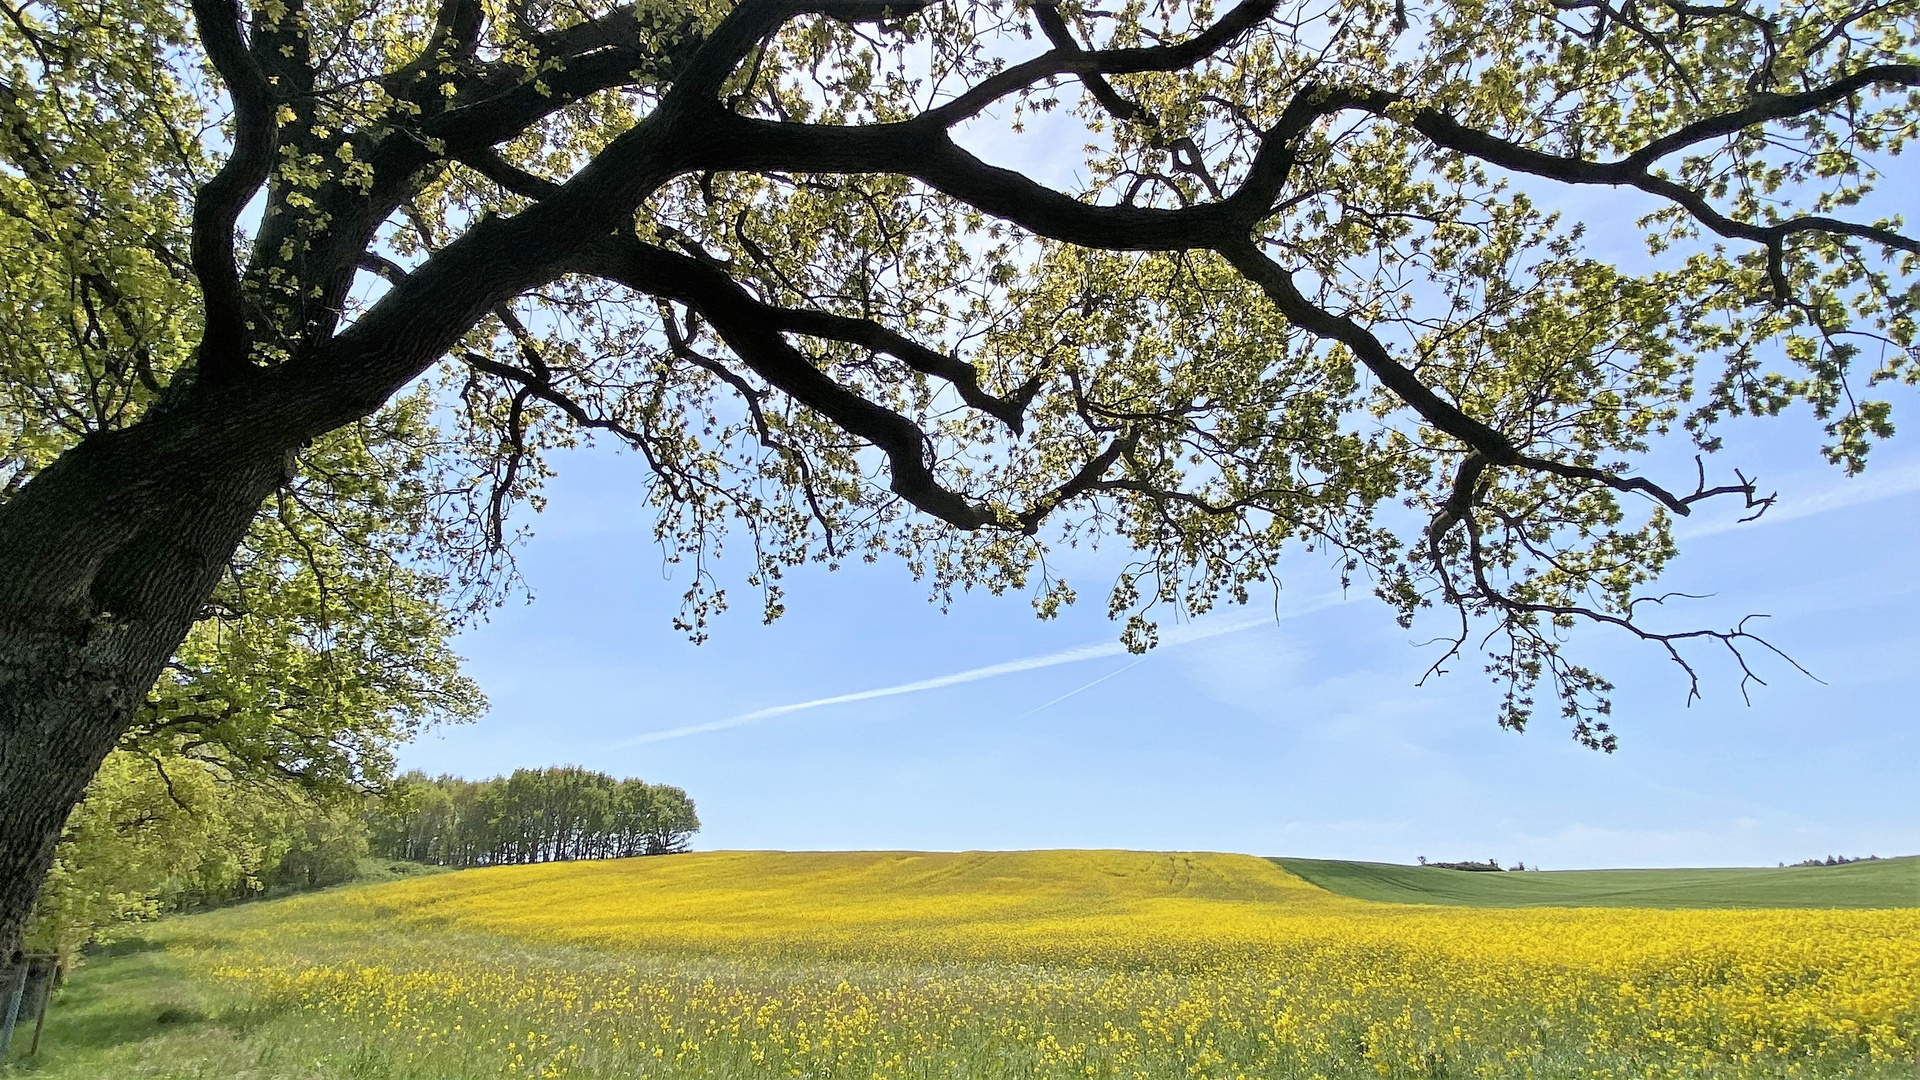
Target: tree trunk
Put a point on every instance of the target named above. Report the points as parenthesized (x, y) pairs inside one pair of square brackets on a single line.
[(106, 558)]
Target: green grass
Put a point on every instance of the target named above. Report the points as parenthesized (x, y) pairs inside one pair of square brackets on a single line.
[(147, 1008), (1883, 883), (140, 1010), (128, 1009)]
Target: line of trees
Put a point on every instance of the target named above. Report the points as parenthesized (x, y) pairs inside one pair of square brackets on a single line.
[(164, 832), (1833, 861), (534, 815)]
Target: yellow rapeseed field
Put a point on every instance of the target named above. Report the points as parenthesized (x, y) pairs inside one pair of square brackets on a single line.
[(1060, 964)]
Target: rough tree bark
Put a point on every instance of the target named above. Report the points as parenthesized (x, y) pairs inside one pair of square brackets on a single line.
[(109, 554), (106, 559)]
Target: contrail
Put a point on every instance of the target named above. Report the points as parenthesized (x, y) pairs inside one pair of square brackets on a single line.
[(1087, 686), (1178, 635)]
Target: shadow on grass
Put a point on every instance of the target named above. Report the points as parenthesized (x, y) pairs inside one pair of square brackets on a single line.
[(128, 946), (128, 992)]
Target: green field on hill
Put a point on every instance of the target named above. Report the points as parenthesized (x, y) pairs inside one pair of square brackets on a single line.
[(1881, 883), (1041, 965)]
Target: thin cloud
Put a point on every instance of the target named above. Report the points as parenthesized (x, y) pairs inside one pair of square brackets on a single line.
[(1871, 486), (1175, 636)]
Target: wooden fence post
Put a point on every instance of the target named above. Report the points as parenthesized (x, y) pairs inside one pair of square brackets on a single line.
[(42, 971), (27, 986)]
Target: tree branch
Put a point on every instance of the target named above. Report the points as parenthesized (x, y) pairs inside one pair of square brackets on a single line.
[(755, 332), (751, 21), (924, 151), (1765, 107), (488, 163), (1279, 288), (1124, 109), (1635, 169), (1076, 61), (964, 377), (224, 341)]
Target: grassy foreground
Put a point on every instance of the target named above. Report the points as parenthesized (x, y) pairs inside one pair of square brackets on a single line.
[(1882, 883), (979, 965)]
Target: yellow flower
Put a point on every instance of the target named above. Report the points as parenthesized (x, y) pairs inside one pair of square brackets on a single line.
[(1058, 964)]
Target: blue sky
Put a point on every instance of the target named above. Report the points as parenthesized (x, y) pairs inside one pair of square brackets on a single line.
[(1302, 735), (866, 718)]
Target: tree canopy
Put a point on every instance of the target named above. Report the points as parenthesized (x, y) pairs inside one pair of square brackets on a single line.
[(322, 648), (162, 833), (327, 640), (1303, 293), (534, 815)]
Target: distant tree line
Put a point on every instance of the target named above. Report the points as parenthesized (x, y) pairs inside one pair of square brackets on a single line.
[(1490, 864), (162, 832), (534, 815), (1833, 861)]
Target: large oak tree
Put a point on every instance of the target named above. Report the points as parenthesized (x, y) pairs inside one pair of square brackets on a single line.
[(1304, 293)]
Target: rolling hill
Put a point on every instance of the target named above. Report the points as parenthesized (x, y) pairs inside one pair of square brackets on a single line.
[(1054, 965), (1882, 883)]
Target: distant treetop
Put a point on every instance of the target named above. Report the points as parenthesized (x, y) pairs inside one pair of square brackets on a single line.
[(535, 815)]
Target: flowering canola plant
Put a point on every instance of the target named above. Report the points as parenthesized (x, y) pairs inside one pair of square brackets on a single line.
[(1060, 964)]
